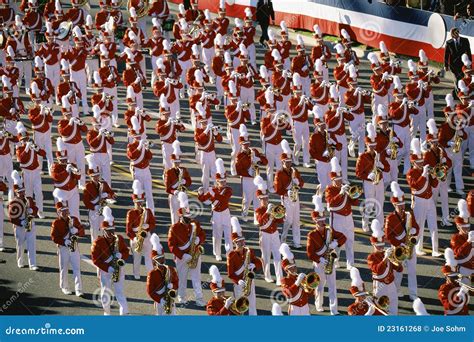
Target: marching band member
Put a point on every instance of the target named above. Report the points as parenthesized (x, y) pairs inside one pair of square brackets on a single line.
[(217, 65), (321, 244), (355, 99), (43, 86), (302, 65), (196, 83), (341, 72), (185, 240), (70, 129), (434, 156), (162, 280), (21, 45), (138, 30), (140, 224), (107, 33), (249, 32), (452, 294), (241, 267), (281, 81), (155, 43), (465, 111), (77, 14), (66, 175), (400, 112), (360, 307), (205, 138), (110, 80), (451, 133), (140, 155), (287, 183), (340, 206), (6, 159), (28, 155), (320, 51), (380, 83), (170, 86), (41, 121), (207, 36), (248, 73), (401, 231), (391, 66), (97, 194), (219, 304), (247, 165), (91, 42), (293, 284), (66, 230), (421, 182), (269, 236), (10, 71), (383, 268), (76, 57), (133, 77), (221, 22), (299, 105), (320, 87), (68, 88), (462, 243), (335, 118), (219, 196), (22, 211), (428, 77), (177, 179), (416, 93), (182, 48), (109, 253), (349, 55), (322, 147)]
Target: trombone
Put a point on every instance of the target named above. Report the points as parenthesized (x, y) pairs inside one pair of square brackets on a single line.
[(380, 304)]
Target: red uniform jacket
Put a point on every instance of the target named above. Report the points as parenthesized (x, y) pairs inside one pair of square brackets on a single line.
[(167, 130), (60, 230), (272, 132), (335, 121), (219, 197), (40, 122), (341, 76), (420, 185), (400, 113), (284, 180), (236, 264), (105, 72), (318, 146), (415, 94), (382, 270), (463, 251), (319, 93), (221, 25), (322, 52), (339, 203), (205, 141), (355, 101), (266, 222), (179, 237), (28, 159), (379, 86), (395, 228), (302, 65), (103, 250), (92, 194), (295, 294), (317, 244), (243, 162), (98, 142), (299, 109), (215, 307), (139, 157), (63, 179), (172, 177), (365, 165), (133, 218), (156, 285), (71, 131), (235, 117)]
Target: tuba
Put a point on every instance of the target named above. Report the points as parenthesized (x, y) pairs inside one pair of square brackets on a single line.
[(194, 251)]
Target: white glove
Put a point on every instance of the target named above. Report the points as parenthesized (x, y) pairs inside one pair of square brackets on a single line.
[(23, 222), (344, 189), (197, 240), (118, 255), (228, 302), (137, 80), (141, 144), (470, 236), (300, 279), (323, 261), (333, 244), (170, 286), (71, 121), (145, 226), (97, 207), (241, 282), (391, 62), (167, 81), (404, 101), (105, 195), (70, 93), (67, 242), (74, 230), (102, 131), (270, 207), (346, 66), (69, 168), (162, 301), (371, 176), (326, 153), (111, 269), (385, 75), (251, 266), (426, 170), (387, 253), (186, 257), (110, 78), (412, 231)]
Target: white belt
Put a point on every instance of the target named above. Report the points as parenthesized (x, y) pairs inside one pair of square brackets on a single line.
[(64, 182), (339, 207), (401, 236), (240, 270), (383, 275), (462, 261), (140, 158), (422, 190), (297, 297)]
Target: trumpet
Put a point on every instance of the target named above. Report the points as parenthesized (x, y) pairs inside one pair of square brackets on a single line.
[(354, 191), (282, 118), (380, 304), (310, 282), (4, 133), (397, 255)]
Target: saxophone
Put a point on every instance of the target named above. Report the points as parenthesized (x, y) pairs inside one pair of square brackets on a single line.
[(194, 251), (255, 168), (411, 240), (377, 172), (330, 148), (330, 254), (170, 293), (294, 191), (392, 146), (116, 262), (248, 274), (141, 233), (457, 139), (181, 187), (73, 237)]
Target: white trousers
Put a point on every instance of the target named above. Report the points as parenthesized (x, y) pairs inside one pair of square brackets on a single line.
[(34, 186), (184, 272), (247, 95), (345, 225), (441, 193), (144, 176), (81, 81), (103, 163), (330, 280), (425, 210), (160, 310), (294, 310), (221, 225), (76, 154), (377, 100), (113, 92), (457, 160), (207, 160), (374, 200), (106, 284), (419, 123), (403, 133), (66, 258), (145, 253), (95, 220), (249, 196), (342, 155), (167, 151), (238, 292), (357, 129), (92, 65), (322, 170), (234, 142), (429, 104), (52, 73), (301, 138), (410, 267), (6, 169), (292, 219), (269, 246), (24, 68), (43, 141), (389, 290), (25, 239), (174, 206), (272, 152)]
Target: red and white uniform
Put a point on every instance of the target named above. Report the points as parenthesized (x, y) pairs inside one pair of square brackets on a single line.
[(110, 80), (463, 253), (99, 141), (41, 120), (168, 131), (355, 100), (236, 115), (302, 65), (50, 53), (77, 62), (156, 283), (29, 157), (64, 88), (94, 193), (71, 131), (297, 297), (140, 156), (172, 176), (66, 181), (452, 304), (205, 142), (415, 92), (299, 107), (6, 162), (318, 149)]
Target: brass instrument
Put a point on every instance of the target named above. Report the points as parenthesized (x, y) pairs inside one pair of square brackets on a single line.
[(170, 293), (248, 274), (354, 191), (194, 251), (380, 304), (439, 171), (468, 287), (310, 282), (103, 202), (116, 262), (376, 171), (457, 142), (330, 148), (143, 11), (141, 233), (278, 212), (255, 165), (240, 305), (73, 237), (330, 254), (411, 240), (392, 146), (29, 218), (293, 193), (397, 255), (4, 133), (181, 187)]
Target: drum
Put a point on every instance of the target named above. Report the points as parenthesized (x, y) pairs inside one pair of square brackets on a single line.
[(168, 25)]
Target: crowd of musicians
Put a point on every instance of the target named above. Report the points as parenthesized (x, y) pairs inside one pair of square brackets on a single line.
[(308, 116)]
